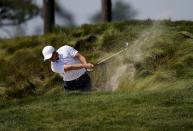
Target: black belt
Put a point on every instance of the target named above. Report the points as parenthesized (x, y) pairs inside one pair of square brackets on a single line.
[(79, 77)]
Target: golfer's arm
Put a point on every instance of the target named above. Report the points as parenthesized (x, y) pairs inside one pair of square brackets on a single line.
[(81, 58), (73, 67)]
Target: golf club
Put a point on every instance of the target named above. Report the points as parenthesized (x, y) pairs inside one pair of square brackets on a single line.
[(108, 58)]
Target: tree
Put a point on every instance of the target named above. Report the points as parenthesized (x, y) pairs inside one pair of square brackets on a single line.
[(64, 14), (106, 10), (15, 12), (52, 8), (121, 11), (49, 16)]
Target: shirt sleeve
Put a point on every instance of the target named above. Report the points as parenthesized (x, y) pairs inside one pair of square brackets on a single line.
[(72, 52), (58, 68)]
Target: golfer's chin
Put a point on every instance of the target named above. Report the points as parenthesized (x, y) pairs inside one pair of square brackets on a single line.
[(53, 60)]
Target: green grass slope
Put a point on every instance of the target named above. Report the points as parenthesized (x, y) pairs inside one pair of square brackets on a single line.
[(166, 110), (159, 55), (148, 87), (23, 71)]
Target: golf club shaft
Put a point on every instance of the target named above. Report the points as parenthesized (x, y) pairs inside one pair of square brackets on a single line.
[(108, 58)]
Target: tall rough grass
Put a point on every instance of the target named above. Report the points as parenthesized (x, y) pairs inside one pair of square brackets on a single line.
[(159, 54)]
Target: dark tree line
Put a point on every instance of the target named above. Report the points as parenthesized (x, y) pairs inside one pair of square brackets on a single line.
[(120, 11), (15, 12), (49, 10)]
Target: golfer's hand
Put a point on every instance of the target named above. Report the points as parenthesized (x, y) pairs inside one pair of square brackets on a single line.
[(89, 65)]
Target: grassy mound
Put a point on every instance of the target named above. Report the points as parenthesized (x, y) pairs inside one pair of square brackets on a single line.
[(144, 110), (152, 79), (159, 56)]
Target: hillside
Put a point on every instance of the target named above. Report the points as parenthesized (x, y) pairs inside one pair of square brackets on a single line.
[(147, 87), (159, 54), (166, 110)]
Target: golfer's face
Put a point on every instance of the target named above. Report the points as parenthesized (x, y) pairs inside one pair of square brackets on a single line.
[(54, 56)]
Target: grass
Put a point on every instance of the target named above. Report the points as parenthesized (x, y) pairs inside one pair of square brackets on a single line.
[(22, 55), (154, 92), (161, 110)]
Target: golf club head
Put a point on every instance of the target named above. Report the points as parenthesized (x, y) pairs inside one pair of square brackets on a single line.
[(89, 70), (126, 44)]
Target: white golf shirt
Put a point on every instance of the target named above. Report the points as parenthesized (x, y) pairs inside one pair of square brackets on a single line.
[(67, 56)]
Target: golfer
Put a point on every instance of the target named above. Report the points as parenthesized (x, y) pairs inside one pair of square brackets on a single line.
[(71, 65)]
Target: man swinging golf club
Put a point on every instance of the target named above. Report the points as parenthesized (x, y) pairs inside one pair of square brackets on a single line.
[(71, 65)]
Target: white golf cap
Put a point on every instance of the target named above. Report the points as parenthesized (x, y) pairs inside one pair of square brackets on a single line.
[(47, 52)]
